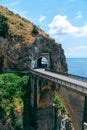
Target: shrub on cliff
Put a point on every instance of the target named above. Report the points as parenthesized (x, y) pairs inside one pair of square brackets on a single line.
[(3, 25), (58, 104), (12, 90), (35, 30)]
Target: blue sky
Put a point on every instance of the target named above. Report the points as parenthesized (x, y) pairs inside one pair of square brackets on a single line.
[(64, 20)]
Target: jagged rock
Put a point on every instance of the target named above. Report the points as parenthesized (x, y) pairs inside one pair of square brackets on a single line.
[(19, 57), (25, 44)]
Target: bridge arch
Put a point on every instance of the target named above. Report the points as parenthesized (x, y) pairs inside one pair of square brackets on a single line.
[(67, 108), (46, 97)]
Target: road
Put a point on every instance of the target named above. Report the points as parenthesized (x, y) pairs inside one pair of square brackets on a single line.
[(62, 77)]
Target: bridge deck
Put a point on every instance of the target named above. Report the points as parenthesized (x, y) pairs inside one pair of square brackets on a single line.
[(65, 80)]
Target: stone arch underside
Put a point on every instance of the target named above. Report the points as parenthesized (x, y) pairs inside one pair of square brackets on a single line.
[(45, 97), (67, 108)]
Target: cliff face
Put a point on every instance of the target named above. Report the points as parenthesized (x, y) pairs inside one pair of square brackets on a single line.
[(17, 56), (22, 47), (26, 44)]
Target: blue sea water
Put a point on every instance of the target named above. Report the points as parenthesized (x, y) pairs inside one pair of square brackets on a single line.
[(77, 66)]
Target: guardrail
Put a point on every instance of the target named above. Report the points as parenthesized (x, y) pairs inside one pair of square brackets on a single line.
[(69, 75), (68, 84)]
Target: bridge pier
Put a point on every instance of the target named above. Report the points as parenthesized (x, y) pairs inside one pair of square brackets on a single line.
[(42, 112), (45, 118)]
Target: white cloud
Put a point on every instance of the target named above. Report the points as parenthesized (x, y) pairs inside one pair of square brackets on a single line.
[(61, 25), (42, 18), (79, 51), (79, 15), (82, 32)]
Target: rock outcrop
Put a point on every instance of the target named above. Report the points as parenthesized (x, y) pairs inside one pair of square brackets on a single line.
[(25, 44)]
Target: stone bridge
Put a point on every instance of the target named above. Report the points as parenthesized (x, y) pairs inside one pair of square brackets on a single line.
[(72, 92)]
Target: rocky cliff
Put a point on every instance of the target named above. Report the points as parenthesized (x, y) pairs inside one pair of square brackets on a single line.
[(25, 43)]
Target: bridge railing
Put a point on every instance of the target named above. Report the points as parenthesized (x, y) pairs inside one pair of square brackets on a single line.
[(69, 75), (69, 84)]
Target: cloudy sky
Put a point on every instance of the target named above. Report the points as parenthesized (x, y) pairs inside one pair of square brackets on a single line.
[(64, 20)]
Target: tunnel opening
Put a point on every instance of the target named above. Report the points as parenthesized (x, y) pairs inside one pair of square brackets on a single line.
[(42, 62)]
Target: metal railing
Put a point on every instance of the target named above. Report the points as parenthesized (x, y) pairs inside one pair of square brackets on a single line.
[(69, 75), (69, 84)]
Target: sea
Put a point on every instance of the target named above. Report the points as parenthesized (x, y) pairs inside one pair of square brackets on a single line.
[(77, 66)]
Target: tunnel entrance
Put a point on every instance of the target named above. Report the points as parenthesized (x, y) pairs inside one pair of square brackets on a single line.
[(42, 62)]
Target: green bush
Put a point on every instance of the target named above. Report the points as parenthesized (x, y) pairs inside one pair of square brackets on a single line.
[(58, 104), (35, 30), (12, 90), (21, 24), (3, 25)]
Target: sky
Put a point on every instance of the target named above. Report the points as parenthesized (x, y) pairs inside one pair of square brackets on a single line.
[(63, 20)]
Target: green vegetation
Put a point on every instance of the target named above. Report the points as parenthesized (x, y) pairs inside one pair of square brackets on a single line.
[(1, 64), (18, 26), (3, 25), (58, 104), (12, 90), (35, 30)]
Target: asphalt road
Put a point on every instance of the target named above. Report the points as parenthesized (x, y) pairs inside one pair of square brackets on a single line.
[(65, 78)]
